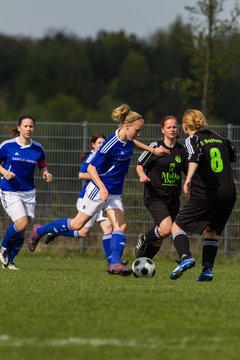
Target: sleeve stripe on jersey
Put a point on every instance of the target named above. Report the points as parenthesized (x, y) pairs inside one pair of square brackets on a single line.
[(109, 144), (90, 157), (8, 141), (38, 144), (145, 153), (110, 169), (189, 148)]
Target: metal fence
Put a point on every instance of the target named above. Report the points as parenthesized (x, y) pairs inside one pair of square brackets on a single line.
[(63, 143)]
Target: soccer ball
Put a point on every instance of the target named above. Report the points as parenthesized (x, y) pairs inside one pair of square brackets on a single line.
[(143, 267)]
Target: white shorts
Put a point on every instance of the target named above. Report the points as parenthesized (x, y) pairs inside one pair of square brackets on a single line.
[(19, 204), (98, 217), (91, 207)]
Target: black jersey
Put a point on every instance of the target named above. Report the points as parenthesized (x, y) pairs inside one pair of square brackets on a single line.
[(213, 154), (164, 171)]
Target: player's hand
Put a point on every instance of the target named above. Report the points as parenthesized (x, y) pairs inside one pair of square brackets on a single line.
[(8, 175), (47, 176), (161, 150), (103, 194), (186, 186), (144, 179)]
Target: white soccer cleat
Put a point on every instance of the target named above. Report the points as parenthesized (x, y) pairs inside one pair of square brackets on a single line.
[(11, 266), (4, 257)]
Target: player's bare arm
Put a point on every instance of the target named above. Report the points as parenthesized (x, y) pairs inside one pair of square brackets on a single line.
[(157, 151), (192, 167), (143, 178)]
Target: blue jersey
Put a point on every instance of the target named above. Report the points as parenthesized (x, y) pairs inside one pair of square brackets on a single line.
[(83, 169), (112, 162), (22, 161)]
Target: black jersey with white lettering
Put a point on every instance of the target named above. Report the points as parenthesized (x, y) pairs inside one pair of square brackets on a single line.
[(213, 154), (164, 171)]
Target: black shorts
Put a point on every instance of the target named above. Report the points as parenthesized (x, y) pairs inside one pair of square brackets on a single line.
[(160, 209), (197, 214)]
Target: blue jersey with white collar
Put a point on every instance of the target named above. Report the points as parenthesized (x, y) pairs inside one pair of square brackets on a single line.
[(22, 161), (112, 162)]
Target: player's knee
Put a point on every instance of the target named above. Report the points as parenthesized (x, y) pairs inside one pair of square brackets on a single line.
[(78, 222), (122, 227), (21, 226), (210, 233), (164, 232), (164, 228), (84, 232), (108, 230), (175, 228)]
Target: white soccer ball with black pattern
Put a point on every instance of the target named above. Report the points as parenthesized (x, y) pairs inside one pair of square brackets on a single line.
[(143, 267)]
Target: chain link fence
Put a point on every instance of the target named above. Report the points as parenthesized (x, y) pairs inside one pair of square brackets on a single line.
[(64, 142)]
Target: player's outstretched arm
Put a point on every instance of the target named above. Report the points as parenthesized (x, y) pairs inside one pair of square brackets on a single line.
[(157, 151)]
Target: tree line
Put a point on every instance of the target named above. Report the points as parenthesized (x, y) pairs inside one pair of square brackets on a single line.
[(62, 77)]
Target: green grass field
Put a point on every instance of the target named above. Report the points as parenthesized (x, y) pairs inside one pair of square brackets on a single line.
[(67, 307)]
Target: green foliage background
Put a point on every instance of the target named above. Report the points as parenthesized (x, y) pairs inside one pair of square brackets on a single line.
[(62, 77)]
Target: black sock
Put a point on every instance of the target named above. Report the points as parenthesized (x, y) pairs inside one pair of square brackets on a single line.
[(151, 249), (181, 244), (209, 252), (151, 235)]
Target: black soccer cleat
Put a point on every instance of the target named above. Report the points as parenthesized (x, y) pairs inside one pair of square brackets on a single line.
[(141, 246)]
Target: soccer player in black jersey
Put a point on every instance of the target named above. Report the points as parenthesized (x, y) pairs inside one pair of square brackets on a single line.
[(162, 178), (210, 184)]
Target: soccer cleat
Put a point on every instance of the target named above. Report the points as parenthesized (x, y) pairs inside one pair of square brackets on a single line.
[(119, 269), (34, 238), (4, 257), (140, 246), (182, 267), (50, 237), (206, 275), (123, 262), (10, 266)]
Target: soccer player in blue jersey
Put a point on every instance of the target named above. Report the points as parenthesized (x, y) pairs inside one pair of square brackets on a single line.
[(212, 193), (107, 171), (105, 224), (19, 158)]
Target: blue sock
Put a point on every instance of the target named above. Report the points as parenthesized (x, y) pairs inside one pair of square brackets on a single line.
[(106, 241), (117, 246), (15, 247), (58, 226), (11, 234)]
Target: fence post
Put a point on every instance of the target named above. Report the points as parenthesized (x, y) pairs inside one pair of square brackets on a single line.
[(84, 147), (225, 233), (85, 135)]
